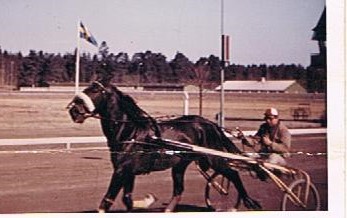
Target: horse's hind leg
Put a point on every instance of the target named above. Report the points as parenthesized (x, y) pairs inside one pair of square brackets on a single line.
[(113, 190), (177, 174), (221, 166)]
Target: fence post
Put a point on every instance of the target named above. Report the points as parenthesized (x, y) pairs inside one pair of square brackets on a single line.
[(186, 103), (68, 145)]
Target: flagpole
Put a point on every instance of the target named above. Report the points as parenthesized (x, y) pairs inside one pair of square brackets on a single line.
[(77, 65)]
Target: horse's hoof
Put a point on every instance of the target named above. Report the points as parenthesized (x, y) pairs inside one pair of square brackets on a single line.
[(101, 211), (251, 204), (105, 205)]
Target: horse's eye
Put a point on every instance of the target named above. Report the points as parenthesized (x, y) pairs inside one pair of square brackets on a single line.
[(79, 101), (95, 90)]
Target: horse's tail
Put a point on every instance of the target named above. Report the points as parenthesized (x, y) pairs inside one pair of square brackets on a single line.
[(154, 126), (216, 136), (227, 143)]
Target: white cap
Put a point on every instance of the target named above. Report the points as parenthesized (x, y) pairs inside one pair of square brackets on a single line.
[(271, 112)]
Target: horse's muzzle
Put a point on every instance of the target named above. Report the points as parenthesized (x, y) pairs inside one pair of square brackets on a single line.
[(70, 105), (76, 115)]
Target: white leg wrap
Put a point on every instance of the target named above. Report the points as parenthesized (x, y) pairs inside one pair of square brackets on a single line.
[(146, 202), (173, 203)]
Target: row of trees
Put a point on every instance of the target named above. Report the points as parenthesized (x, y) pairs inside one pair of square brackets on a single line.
[(43, 69)]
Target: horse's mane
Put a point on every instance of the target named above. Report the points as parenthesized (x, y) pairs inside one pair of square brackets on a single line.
[(136, 114)]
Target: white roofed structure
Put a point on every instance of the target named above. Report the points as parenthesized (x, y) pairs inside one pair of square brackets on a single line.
[(273, 86)]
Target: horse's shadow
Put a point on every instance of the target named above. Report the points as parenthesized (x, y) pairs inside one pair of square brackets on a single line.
[(179, 208)]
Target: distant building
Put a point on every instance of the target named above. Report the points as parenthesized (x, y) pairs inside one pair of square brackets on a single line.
[(163, 87), (263, 86), (191, 88), (317, 71)]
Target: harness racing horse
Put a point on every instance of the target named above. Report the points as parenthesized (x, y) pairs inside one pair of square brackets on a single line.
[(133, 138)]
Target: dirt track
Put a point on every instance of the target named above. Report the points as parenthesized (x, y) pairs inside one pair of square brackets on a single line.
[(75, 181)]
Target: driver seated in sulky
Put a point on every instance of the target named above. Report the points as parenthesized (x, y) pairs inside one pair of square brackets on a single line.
[(273, 138)]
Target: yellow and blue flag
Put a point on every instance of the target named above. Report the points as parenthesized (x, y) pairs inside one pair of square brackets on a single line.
[(86, 34)]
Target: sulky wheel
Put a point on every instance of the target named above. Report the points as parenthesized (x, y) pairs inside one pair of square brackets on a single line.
[(298, 188), (220, 194)]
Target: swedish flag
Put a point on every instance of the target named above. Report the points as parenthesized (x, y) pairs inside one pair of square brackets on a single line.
[(85, 34)]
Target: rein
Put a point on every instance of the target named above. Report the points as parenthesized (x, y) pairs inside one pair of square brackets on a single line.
[(97, 116), (159, 119)]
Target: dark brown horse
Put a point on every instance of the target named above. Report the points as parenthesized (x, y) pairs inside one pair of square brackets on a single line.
[(130, 137)]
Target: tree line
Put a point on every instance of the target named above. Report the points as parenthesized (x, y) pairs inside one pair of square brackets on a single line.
[(42, 69)]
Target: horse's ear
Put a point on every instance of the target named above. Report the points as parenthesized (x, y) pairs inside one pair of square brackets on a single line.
[(105, 82), (95, 77), (104, 79), (105, 86)]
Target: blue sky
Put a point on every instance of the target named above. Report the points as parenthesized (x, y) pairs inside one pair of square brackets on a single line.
[(262, 31)]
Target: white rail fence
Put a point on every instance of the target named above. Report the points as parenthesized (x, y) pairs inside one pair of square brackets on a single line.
[(68, 141)]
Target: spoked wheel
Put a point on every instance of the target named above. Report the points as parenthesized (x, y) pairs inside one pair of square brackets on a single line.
[(298, 187), (220, 195)]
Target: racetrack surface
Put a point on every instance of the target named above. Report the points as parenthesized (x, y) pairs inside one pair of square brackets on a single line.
[(76, 180)]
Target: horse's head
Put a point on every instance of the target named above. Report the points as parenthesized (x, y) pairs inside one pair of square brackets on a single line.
[(111, 105), (87, 103)]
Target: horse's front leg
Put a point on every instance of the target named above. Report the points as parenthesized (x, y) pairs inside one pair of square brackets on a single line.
[(128, 187), (177, 174), (116, 184), (117, 181)]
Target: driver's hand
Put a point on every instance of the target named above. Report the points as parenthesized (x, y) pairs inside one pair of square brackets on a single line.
[(240, 135), (246, 142), (266, 140)]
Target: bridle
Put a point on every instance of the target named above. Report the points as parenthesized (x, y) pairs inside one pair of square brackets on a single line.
[(87, 102)]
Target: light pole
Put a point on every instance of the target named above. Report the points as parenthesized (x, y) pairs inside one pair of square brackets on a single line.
[(221, 112), (11, 78)]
